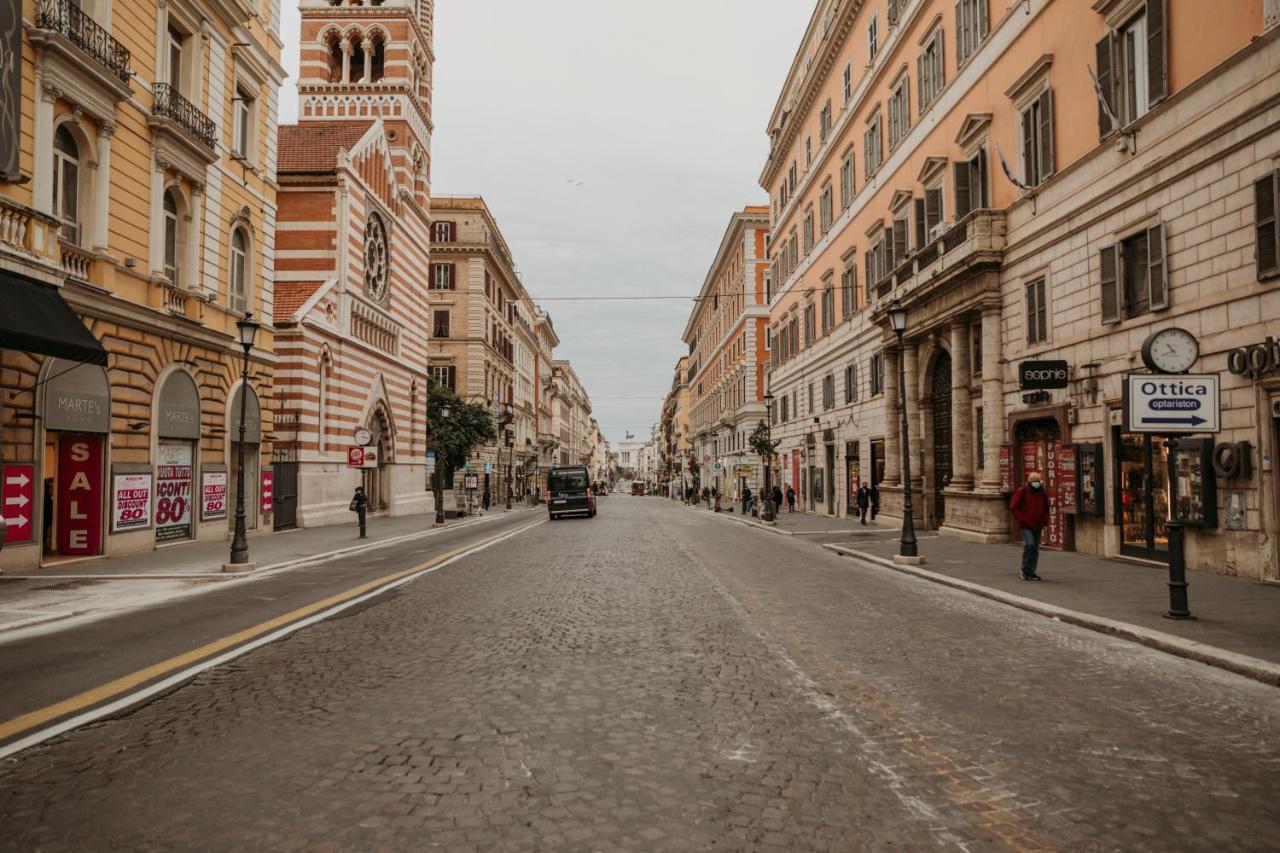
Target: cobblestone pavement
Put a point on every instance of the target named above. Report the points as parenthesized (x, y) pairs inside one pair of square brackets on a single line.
[(657, 679)]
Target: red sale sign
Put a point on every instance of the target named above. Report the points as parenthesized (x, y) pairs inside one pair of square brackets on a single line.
[(19, 502), (79, 495), (267, 482)]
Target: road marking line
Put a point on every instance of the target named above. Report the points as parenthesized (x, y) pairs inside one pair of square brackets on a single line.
[(231, 647)]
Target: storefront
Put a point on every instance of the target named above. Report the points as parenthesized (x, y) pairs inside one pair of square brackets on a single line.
[(76, 413), (176, 457), (252, 470)]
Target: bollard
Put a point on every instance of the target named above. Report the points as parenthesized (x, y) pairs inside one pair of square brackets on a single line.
[(1178, 606)]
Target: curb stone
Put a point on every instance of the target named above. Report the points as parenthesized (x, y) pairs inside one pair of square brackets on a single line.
[(1249, 667)]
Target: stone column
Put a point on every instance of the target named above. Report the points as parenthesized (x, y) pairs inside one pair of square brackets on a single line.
[(962, 439), (992, 397), (892, 421), (912, 379), (102, 188)]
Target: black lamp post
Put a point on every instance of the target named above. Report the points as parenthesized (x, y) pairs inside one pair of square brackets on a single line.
[(898, 321), (437, 484), (767, 506), (248, 331)]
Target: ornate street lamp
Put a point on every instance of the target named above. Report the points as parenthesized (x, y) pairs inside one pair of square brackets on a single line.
[(767, 507), (248, 331), (437, 483), (898, 322)]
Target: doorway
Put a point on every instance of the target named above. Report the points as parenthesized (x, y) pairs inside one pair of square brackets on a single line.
[(1142, 487), (940, 396)]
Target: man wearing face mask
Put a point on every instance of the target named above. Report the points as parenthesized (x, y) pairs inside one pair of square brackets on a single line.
[(1030, 507)]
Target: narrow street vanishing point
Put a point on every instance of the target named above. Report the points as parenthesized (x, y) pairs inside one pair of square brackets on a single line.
[(656, 678)]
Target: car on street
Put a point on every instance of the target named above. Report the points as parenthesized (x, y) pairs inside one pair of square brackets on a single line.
[(569, 492)]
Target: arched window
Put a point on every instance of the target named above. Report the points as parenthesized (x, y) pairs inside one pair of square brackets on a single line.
[(172, 238), (66, 183), (238, 272)]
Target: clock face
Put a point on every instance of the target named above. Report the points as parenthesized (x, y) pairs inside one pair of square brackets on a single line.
[(1171, 351)]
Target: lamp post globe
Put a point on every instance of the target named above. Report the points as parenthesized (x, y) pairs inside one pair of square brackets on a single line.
[(898, 322), (247, 332)]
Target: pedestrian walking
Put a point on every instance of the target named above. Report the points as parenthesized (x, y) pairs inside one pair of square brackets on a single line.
[(1030, 507), (875, 501), (864, 502), (360, 506), (791, 499)]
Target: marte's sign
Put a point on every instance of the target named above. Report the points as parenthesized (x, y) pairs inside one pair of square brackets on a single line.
[(1043, 375)]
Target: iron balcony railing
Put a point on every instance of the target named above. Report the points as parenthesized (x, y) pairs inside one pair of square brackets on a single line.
[(172, 105), (67, 19)]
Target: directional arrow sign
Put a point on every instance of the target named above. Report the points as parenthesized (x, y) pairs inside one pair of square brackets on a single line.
[(1172, 404)]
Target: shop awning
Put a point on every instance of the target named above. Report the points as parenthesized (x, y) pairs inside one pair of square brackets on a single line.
[(35, 318)]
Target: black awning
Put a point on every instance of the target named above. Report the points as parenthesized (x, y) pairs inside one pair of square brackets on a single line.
[(35, 318)]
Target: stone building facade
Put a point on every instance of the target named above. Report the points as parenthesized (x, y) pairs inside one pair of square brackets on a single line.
[(355, 200), (963, 162), (137, 226), (727, 336)]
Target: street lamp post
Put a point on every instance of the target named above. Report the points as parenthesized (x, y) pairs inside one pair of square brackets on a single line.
[(898, 320), (248, 331), (437, 483), (768, 508)]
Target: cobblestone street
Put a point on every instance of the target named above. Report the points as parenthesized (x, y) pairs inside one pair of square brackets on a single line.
[(661, 679)]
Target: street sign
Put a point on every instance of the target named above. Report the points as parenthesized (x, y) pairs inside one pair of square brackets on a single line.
[(1172, 404), (355, 457), (19, 508), (1043, 375), (363, 437)]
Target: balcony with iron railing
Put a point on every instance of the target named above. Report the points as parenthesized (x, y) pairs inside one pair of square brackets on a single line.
[(170, 104), (974, 243), (66, 19)]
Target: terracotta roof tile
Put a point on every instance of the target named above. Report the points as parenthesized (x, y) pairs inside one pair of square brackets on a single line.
[(314, 146), (289, 297)]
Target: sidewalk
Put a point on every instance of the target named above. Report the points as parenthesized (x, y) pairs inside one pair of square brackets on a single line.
[(1237, 625), (84, 587)]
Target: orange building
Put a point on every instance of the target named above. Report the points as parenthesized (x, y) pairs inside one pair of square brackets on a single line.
[(354, 234), (958, 157), (728, 352)]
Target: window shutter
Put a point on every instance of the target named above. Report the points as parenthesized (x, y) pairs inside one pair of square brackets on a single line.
[(1105, 83), (1267, 233), (1029, 148), (1158, 268), (932, 209), (962, 190), (920, 231), (1046, 134), (1107, 261), (1157, 50)]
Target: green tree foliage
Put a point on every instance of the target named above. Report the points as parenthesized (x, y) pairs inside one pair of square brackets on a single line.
[(453, 438)]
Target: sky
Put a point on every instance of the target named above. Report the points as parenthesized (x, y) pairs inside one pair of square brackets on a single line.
[(613, 142)]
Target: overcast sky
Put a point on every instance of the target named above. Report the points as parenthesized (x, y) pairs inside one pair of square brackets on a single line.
[(658, 108)]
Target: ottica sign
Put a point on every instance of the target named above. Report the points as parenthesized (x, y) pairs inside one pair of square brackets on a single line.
[(1172, 404)]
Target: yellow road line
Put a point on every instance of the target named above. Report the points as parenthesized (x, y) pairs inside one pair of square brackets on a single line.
[(99, 694)]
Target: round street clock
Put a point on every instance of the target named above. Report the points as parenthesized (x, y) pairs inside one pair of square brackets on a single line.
[(1170, 350)]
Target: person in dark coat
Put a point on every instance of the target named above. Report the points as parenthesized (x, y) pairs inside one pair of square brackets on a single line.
[(1030, 507), (791, 499), (864, 502)]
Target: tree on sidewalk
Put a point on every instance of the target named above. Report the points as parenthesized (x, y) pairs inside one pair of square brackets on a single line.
[(453, 438)]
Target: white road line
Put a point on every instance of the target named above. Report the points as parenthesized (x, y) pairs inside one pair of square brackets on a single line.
[(141, 695)]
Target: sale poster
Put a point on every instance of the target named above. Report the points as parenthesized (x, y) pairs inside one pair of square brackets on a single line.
[(213, 495), (130, 502), (78, 495), (173, 491)]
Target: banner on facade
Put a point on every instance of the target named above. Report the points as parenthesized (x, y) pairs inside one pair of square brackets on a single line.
[(174, 509), (213, 495), (130, 502)]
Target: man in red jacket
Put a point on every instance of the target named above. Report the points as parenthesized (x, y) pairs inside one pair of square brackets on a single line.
[(1030, 506)]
